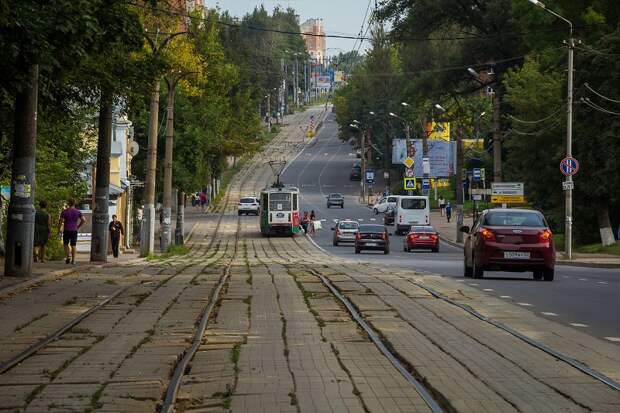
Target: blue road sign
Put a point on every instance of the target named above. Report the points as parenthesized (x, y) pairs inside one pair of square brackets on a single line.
[(569, 166), (426, 184), (477, 175)]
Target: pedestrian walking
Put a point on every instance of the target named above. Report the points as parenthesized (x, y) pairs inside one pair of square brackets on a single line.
[(305, 222), (442, 205), (42, 231), (448, 211), (203, 201), (116, 230), (311, 226), (71, 219)]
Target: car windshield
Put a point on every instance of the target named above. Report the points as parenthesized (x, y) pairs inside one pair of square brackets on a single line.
[(336, 196), (413, 203), (514, 219), (247, 200), (348, 225), (423, 229), (371, 228)]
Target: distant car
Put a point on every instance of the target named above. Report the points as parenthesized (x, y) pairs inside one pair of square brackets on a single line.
[(509, 240), (356, 173), (389, 216), (384, 203), (248, 205), (372, 237), (335, 199), (421, 237), (344, 231)]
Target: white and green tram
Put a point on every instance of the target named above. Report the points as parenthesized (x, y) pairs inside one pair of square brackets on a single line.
[(280, 210)]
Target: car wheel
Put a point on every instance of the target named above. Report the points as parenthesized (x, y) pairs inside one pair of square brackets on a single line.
[(386, 251), (335, 243), (538, 275), (239, 213), (435, 249), (548, 274), (405, 248), (342, 206), (357, 250), (375, 211), (478, 272)]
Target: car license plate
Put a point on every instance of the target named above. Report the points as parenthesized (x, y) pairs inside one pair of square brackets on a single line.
[(424, 237), (515, 255), (279, 215), (371, 244)]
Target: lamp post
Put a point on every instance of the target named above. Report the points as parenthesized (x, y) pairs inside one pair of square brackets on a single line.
[(568, 226), (407, 139), (358, 126), (386, 155)]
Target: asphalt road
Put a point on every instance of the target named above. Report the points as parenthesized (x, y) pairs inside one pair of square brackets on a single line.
[(588, 299)]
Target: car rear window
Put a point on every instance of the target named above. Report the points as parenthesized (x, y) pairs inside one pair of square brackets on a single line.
[(423, 229), (348, 225), (371, 228), (412, 203), (514, 219), (335, 196), (247, 200)]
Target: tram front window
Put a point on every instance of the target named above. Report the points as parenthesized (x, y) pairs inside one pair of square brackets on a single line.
[(280, 202)]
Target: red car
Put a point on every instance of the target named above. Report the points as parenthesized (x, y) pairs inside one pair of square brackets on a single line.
[(509, 240), (421, 237)]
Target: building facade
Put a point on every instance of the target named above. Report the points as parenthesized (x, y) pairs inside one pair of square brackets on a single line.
[(315, 42)]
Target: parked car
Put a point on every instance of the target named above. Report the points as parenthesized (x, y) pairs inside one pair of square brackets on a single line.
[(335, 199), (356, 173), (410, 211), (421, 237), (344, 231), (372, 237), (384, 202), (248, 205), (388, 217), (509, 240)]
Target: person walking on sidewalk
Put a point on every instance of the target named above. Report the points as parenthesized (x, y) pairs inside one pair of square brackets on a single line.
[(42, 231), (116, 230), (311, 229), (442, 205), (448, 211), (71, 219)]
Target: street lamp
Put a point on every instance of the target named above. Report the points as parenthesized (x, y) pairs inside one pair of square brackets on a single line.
[(440, 108), (568, 226), (357, 125)]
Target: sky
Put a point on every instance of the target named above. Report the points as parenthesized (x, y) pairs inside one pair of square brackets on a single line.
[(340, 17)]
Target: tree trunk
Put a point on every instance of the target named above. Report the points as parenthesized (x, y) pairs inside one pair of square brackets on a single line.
[(101, 218), (604, 224), (179, 232), (147, 233), (459, 183), (166, 232), (20, 224)]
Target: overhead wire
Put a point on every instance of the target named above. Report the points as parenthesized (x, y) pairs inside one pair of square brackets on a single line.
[(587, 86), (596, 107), (532, 122)]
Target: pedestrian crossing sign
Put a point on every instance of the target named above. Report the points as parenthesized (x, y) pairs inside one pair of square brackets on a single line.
[(410, 184)]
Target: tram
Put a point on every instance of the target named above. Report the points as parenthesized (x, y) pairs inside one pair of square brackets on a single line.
[(280, 210)]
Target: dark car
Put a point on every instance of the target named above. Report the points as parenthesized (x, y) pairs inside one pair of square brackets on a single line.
[(372, 237), (356, 173), (335, 199), (389, 216), (509, 240), (421, 237)]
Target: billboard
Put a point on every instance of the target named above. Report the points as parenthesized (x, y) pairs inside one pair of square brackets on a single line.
[(442, 156), (438, 130)]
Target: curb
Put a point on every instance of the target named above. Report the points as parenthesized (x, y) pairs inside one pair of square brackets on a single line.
[(450, 242), (587, 264)]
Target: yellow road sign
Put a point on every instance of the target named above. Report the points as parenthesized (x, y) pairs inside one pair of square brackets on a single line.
[(408, 162), (410, 184), (508, 199)]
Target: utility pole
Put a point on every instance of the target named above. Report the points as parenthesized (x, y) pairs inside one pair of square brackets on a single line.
[(568, 229), (305, 81), (101, 218), (497, 138), (179, 231), (363, 164), (147, 233), (410, 146), (166, 228), (459, 182), (20, 222), (296, 82)]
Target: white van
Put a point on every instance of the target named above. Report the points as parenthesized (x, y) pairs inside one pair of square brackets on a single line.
[(411, 210), (384, 203)]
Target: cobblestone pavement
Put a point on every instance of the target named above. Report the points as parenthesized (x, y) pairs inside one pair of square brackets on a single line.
[(278, 340)]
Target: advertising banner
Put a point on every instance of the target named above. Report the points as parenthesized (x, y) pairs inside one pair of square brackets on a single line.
[(441, 154), (438, 131)]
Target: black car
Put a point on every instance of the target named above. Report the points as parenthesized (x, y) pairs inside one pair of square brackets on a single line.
[(335, 199), (356, 173), (372, 237), (389, 216)]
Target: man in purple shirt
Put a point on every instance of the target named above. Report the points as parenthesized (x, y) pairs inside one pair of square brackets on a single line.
[(71, 219)]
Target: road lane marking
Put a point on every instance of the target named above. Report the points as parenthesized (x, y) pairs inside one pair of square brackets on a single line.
[(505, 296), (614, 339), (582, 279), (550, 314), (488, 289), (602, 282), (525, 304), (578, 325), (473, 284), (373, 219)]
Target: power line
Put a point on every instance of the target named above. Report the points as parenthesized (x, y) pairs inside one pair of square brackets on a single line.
[(600, 94), (594, 106), (532, 122)]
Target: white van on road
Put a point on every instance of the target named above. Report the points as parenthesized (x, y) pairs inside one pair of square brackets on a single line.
[(411, 210), (384, 203)]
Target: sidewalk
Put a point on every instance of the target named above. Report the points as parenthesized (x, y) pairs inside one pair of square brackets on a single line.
[(447, 232)]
